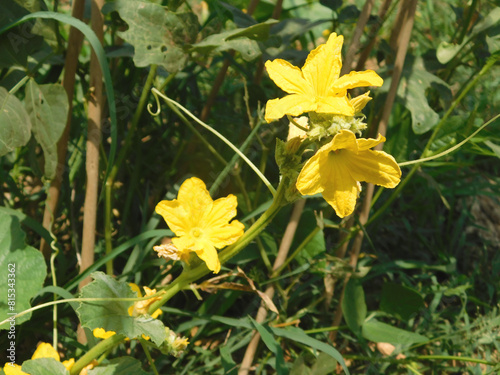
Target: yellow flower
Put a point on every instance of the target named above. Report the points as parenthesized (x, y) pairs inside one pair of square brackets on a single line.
[(334, 171), (317, 86), (138, 308), (101, 333), (201, 224), (44, 350), (142, 307)]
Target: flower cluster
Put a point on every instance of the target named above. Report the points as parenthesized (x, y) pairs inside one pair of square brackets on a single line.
[(342, 161)]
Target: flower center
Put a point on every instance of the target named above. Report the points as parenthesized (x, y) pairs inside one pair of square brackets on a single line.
[(196, 232)]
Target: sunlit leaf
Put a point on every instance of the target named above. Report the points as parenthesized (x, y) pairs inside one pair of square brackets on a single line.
[(157, 34), (25, 263), (47, 106), (16, 125), (113, 315)]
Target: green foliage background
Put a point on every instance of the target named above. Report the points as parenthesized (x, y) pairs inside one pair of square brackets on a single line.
[(428, 276)]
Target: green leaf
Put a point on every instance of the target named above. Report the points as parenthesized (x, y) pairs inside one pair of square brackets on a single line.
[(45, 28), (44, 366), (157, 34), (376, 331), (300, 368), (494, 147), (354, 306), (16, 126), (400, 301), (316, 245), (113, 315), (298, 335), (324, 365), (415, 81), (119, 366), (29, 269), (272, 345), (47, 106), (241, 40), (230, 367)]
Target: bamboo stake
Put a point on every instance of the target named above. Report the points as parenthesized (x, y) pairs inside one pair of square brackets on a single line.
[(354, 45), (409, 9), (93, 142), (75, 40)]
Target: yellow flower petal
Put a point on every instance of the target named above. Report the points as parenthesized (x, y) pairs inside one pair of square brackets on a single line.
[(226, 235), (323, 65), (309, 180), (13, 370), (135, 288), (223, 210), (345, 139), (288, 77), (376, 167), (360, 102), (100, 333), (365, 144), (45, 350), (356, 79), (292, 105), (341, 192), (338, 105), (176, 222), (68, 364), (156, 314), (209, 255)]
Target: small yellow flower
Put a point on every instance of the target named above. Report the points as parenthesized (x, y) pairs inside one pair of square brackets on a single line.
[(201, 224), (317, 86), (336, 169), (44, 350), (100, 333), (138, 308), (142, 307)]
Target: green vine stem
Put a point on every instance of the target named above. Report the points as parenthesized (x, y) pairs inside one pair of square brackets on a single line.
[(96, 351), (191, 275)]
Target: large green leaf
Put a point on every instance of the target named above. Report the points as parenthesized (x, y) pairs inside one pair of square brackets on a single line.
[(242, 40), (27, 264), (113, 315), (400, 301), (376, 331), (119, 366), (354, 306), (415, 81), (44, 366), (47, 106), (157, 34), (16, 125)]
